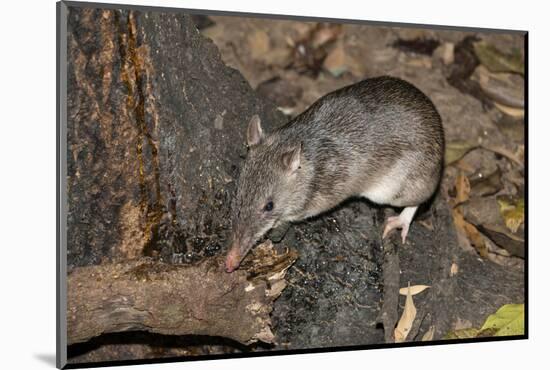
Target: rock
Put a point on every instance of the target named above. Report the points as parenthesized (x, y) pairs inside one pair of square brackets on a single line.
[(484, 185), (481, 210)]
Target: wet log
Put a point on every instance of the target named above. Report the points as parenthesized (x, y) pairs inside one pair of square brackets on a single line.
[(199, 299)]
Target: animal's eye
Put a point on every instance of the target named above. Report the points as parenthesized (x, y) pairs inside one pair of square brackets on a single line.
[(268, 207)]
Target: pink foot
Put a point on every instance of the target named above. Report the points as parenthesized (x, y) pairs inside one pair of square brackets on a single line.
[(395, 222), (400, 222)]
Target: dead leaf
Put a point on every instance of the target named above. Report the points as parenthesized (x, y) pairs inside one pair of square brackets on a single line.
[(325, 33), (511, 111), (512, 211), (454, 269), (476, 239), (335, 61), (462, 186), (455, 150), (501, 236), (415, 289), (407, 318), (279, 57), (461, 324), (470, 231), (502, 88), (258, 44), (422, 62), (429, 335), (497, 61), (461, 164), (462, 334), (445, 52), (427, 224), (311, 49)]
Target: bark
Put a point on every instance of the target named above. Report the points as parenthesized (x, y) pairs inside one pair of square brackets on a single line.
[(156, 125), (198, 299)]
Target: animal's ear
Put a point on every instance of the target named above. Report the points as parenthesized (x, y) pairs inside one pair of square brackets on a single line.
[(254, 134), (291, 159)]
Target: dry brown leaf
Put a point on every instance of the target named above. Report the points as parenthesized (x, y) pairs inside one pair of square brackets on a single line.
[(512, 211), (415, 289), (427, 224), (454, 269), (470, 231), (511, 111), (463, 188), (258, 43), (462, 165), (429, 335), (407, 318), (325, 33), (335, 62), (476, 238)]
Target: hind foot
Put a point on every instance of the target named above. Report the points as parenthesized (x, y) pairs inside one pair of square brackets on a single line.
[(402, 222)]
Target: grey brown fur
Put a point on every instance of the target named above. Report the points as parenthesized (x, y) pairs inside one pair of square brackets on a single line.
[(380, 138)]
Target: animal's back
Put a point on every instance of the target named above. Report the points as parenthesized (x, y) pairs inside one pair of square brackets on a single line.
[(380, 110), (372, 138)]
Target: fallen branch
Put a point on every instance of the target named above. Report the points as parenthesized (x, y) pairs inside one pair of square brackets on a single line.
[(177, 300)]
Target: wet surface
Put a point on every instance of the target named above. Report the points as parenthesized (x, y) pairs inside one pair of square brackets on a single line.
[(334, 288)]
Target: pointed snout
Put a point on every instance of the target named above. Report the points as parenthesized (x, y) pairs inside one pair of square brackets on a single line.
[(233, 259), (238, 250)]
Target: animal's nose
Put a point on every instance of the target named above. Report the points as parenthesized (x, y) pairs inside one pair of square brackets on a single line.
[(228, 268), (232, 261)]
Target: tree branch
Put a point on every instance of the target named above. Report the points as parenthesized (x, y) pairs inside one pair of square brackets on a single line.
[(160, 298)]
